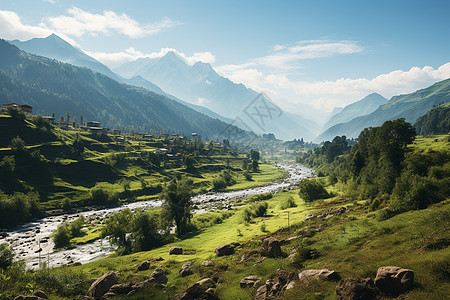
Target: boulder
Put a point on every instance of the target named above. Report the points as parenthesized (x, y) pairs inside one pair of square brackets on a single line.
[(250, 281), (307, 276), (275, 286), (40, 294), (271, 247), (121, 288), (175, 250), (109, 295), (394, 280), (158, 277), (102, 285), (187, 269), (145, 265), (356, 289), (203, 289), (225, 249), (208, 263)]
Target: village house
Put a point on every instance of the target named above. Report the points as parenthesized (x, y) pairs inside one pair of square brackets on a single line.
[(25, 107)]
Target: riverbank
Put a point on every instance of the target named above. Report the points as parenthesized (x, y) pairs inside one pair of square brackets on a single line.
[(28, 239)]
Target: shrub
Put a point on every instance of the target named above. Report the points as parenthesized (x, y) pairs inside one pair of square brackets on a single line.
[(17, 144), (6, 256), (219, 183), (61, 236), (248, 176), (310, 190), (101, 196), (260, 197), (288, 203)]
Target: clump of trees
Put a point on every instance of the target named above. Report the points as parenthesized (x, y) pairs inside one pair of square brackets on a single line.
[(255, 210), (435, 121), (311, 189), (382, 168), (224, 179), (19, 208), (66, 231), (135, 231), (6, 256)]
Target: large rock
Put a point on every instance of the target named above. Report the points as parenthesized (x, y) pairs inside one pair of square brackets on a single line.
[(102, 285), (175, 250), (250, 281), (394, 280), (203, 289), (356, 289), (158, 277), (275, 286), (308, 276), (186, 269), (121, 288), (145, 265), (225, 249), (271, 247)]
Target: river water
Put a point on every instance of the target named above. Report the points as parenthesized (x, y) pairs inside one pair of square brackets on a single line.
[(29, 238)]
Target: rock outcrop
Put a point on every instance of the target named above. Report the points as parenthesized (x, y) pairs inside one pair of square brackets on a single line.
[(271, 247), (225, 249), (145, 265), (308, 276), (394, 280), (175, 250), (250, 281), (203, 289), (275, 286), (186, 269), (356, 289), (102, 285)]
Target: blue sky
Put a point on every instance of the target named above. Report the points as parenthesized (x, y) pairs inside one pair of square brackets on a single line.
[(326, 53)]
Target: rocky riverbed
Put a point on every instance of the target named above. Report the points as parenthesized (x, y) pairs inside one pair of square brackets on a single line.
[(32, 241)]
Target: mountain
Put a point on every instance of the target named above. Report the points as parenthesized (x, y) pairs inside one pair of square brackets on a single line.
[(359, 108), (57, 48), (435, 121), (51, 86), (409, 106), (199, 84)]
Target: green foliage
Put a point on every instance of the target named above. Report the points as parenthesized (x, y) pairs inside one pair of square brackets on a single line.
[(17, 145), (311, 189), (288, 203), (78, 145), (41, 123), (255, 210), (18, 208), (6, 256), (435, 121), (8, 164), (134, 231), (61, 236), (101, 196), (254, 156), (189, 161), (177, 203), (16, 113), (224, 179), (248, 176), (260, 197)]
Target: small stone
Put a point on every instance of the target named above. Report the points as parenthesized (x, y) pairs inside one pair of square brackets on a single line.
[(208, 263), (250, 281), (145, 265), (186, 269)]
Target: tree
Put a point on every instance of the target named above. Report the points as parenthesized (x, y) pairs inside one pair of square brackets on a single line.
[(61, 237), (6, 256), (177, 203), (310, 190), (78, 145), (81, 120), (254, 156), (67, 117), (189, 161), (117, 228), (17, 144)]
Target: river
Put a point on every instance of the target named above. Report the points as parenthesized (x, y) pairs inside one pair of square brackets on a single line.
[(32, 241)]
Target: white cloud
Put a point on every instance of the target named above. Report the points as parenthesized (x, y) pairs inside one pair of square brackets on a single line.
[(11, 27), (50, 1), (80, 22), (117, 58)]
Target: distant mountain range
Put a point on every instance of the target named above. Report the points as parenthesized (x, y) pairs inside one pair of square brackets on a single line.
[(174, 72), (410, 107), (359, 108), (200, 84), (51, 86)]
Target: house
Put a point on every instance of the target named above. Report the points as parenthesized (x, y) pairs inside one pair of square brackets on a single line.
[(25, 107), (63, 124), (93, 124)]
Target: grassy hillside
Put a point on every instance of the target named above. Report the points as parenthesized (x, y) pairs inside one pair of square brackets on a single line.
[(355, 244), (124, 165)]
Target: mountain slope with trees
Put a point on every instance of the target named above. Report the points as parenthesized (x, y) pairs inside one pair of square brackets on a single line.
[(435, 121), (409, 106), (53, 87)]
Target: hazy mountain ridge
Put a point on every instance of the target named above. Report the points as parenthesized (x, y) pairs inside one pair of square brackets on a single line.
[(199, 84), (359, 108), (51, 86), (409, 106)]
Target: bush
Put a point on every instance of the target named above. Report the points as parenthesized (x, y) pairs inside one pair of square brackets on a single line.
[(310, 190), (219, 183), (248, 176), (6, 256), (260, 197), (288, 203), (61, 236), (17, 144), (101, 196)]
